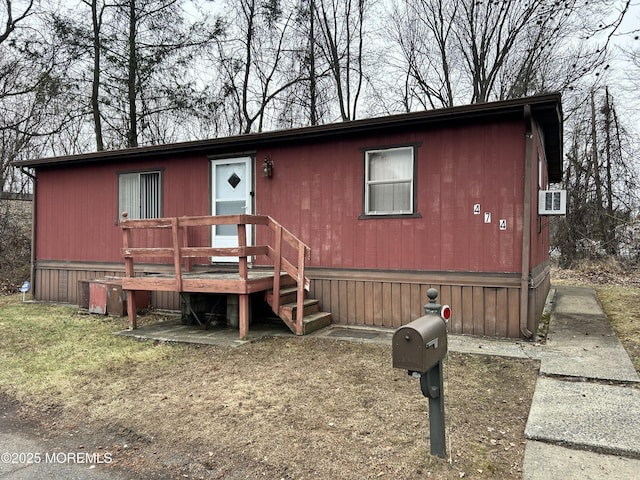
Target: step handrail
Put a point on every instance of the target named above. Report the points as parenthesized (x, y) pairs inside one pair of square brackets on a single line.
[(298, 274)]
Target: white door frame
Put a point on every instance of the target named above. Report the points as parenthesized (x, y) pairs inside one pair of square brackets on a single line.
[(223, 192)]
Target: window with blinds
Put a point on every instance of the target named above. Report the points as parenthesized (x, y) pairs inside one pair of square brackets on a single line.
[(140, 195)]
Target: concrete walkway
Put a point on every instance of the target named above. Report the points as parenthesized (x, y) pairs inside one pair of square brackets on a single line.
[(584, 421)]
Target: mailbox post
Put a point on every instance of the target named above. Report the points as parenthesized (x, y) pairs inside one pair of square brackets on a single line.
[(419, 347)]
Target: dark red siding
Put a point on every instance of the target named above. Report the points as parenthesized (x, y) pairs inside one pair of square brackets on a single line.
[(317, 192), (539, 224), (77, 207), (317, 189)]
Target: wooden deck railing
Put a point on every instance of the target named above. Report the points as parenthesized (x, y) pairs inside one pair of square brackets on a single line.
[(182, 254)]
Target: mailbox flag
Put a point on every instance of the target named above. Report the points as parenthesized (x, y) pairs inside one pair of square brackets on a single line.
[(445, 312)]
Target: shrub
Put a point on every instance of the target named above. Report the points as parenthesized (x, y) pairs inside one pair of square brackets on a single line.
[(15, 244)]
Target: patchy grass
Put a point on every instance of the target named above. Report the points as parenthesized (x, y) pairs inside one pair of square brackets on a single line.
[(46, 349), (298, 407), (622, 306)]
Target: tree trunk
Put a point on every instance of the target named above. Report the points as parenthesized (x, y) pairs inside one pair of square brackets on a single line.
[(95, 86), (313, 107), (132, 133), (609, 224), (595, 166), (250, 14)]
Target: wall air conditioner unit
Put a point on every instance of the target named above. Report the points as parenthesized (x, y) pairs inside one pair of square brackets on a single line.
[(552, 202)]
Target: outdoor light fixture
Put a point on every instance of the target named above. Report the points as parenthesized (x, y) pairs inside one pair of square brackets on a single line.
[(267, 167)]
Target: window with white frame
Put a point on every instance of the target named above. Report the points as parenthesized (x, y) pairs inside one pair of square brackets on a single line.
[(140, 194), (389, 182), (542, 185)]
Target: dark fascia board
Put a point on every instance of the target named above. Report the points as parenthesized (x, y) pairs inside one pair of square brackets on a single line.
[(27, 197), (546, 110), (549, 117)]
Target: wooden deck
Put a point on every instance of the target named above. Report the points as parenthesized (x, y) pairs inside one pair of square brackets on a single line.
[(242, 282), (207, 282)]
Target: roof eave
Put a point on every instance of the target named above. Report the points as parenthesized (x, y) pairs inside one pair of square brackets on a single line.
[(542, 104)]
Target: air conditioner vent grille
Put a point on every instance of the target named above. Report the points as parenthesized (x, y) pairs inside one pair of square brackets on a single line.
[(552, 202)]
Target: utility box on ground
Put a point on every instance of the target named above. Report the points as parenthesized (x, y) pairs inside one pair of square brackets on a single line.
[(105, 296)]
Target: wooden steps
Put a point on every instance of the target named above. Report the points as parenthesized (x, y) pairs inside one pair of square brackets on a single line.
[(313, 319)]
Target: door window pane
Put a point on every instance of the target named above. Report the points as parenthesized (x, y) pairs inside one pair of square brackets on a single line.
[(235, 207)]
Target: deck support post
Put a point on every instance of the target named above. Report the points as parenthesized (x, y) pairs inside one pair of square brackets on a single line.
[(132, 309), (177, 257), (301, 290), (244, 316), (277, 267), (129, 273)]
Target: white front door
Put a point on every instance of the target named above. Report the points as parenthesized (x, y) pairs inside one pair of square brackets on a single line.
[(230, 195)]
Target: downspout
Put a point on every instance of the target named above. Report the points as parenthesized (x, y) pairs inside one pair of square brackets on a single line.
[(32, 267), (526, 227)]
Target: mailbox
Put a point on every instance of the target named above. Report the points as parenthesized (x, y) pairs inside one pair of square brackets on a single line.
[(421, 344), (420, 347)]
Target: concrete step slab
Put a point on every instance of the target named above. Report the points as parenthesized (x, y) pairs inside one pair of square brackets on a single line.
[(591, 416), (585, 346), (576, 301), (581, 342), (315, 321), (589, 362), (543, 461), (494, 347)]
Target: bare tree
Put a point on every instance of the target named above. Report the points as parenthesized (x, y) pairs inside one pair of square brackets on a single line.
[(256, 66), (150, 63), (83, 43), (140, 55), (340, 43), (97, 14), (303, 105), (600, 182), (33, 106), (13, 16), (470, 52)]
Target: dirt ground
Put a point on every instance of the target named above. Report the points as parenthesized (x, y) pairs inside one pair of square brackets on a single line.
[(293, 408)]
